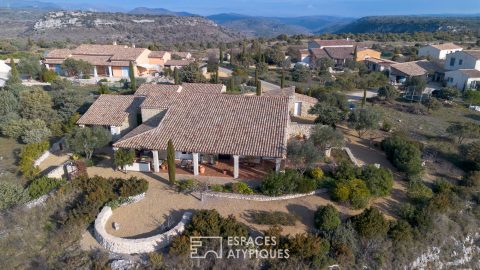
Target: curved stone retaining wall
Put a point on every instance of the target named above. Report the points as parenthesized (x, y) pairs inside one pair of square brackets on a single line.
[(133, 246), (260, 198)]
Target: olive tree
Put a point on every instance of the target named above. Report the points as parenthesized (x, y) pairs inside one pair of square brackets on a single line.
[(462, 131), (363, 120), (86, 140), (326, 137), (302, 154)]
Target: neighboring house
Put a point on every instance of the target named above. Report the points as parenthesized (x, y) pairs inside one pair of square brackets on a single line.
[(299, 104), (201, 123), (190, 88), (399, 73), (379, 64), (438, 51), (363, 54), (338, 54), (323, 43), (172, 64), (110, 60), (463, 79), (467, 59), (4, 73), (117, 113), (182, 55)]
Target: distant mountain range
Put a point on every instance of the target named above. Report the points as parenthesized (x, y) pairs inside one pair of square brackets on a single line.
[(25, 4), (158, 11)]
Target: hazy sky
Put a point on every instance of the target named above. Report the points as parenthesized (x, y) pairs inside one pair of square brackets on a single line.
[(355, 8)]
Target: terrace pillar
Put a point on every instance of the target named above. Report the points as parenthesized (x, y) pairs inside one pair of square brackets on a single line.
[(47, 66), (156, 162), (110, 72), (95, 74), (278, 163), (195, 164), (236, 166)]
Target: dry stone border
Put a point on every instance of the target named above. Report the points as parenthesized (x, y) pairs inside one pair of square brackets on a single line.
[(135, 246), (259, 198)]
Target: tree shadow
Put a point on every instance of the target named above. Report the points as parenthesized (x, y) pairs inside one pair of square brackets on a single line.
[(304, 214), (473, 116)]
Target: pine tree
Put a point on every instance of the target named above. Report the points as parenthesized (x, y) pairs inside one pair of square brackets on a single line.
[(259, 88), (171, 162), (14, 76), (176, 76), (131, 74), (282, 80), (364, 99)]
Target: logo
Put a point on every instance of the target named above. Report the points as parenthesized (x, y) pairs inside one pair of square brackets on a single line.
[(201, 246), (236, 247)]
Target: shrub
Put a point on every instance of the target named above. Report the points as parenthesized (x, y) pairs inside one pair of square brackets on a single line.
[(379, 180), (43, 185), (370, 223), (353, 191), (187, 186), (48, 75), (305, 185), (28, 155), (419, 192), (404, 154), (241, 188), (327, 218), (276, 184), (11, 194), (341, 192), (472, 179), (132, 186), (471, 154), (217, 188), (316, 174), (347, 171), (272, 218)]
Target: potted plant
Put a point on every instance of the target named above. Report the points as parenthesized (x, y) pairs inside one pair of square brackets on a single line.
[(201, 169)]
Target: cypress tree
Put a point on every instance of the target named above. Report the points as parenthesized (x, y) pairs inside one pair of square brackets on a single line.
[(131, 74), (259, 88), (220, 56), (256, 73), (364, 99), (216, 74), (231, 84), (176, 76), (282, 81), (171, 162), (14, 76)]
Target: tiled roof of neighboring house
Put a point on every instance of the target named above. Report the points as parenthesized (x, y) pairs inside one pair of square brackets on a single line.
[(305, 98), (474, 53), (303, 51), (446, 46), (117, 52), (178, 63), (59, 53), (206, 88), (340, 52), (111, 110), (147, 89), (319, 53), (226, 124), (157, 54), (334, 42), (380, 61), (471, 73), (182, 54), (97, 60), (417, 68), (51, 61)]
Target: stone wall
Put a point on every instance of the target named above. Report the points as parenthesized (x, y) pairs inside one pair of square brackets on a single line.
[(295, 129), (41, 159), (135, 246), (259, 198), (328, 153)]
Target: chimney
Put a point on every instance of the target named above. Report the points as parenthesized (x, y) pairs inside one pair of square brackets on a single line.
[(133, 45), (115, 42)]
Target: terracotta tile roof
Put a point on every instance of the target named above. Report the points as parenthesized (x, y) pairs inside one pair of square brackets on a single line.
[(417, 68), (319, 53), (111, 110), (225, 124), (380, 61), (98, 60), (334, 42), (53, 61), (340, 52), (305, 98), (157, 54), (152, 89), (178, 63), (446, 46), (471, 73), (474, 53), (59, 53), (205, 88), (117, 52)]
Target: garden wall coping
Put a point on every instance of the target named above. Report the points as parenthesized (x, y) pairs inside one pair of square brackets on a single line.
[(260, 198)]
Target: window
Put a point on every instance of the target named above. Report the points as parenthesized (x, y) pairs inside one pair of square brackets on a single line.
[(452, 61), (460, 62)]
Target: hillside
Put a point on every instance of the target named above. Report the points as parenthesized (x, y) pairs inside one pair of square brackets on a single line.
[(401, 24), (158, 11), (273, 26), (106, 27)]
